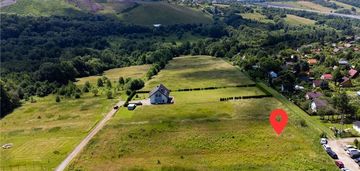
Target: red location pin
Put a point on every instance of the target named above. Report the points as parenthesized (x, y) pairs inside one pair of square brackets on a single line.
[(278, 125)]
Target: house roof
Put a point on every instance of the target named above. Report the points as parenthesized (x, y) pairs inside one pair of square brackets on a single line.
[(320, 83), (312, 61), (313, 95), (273, 74), (320, 103), (343, 61), (352, 72), (162, 89), (345, 79), (357, 124), (327, 77)]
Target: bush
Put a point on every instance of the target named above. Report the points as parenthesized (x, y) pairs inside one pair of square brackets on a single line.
[(95, 92), (57, 99), (77, 96), (109, 95), (303, 123), (323, 135)]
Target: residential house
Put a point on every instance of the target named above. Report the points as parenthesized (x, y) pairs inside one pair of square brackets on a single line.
[(323, 84), (345, 82), (326, 77), (160, 95), (312, 61), (356, 126), (312, 95), (353, 73), (343, 61), (317, 104)]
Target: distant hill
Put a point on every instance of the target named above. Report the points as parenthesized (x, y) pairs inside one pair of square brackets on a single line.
[(135, 12)]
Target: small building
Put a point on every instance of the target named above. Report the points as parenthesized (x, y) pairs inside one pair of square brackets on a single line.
[(356, 126), (312, 61), (131, 106), (317, 104), (312, 95), (343, 61), (323, 84), (326, 77), (160, 95), (353, 73), (345, 82)]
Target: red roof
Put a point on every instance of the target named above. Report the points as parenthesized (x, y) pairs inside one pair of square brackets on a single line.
[(327, 77), (312, 61), (353, 72)]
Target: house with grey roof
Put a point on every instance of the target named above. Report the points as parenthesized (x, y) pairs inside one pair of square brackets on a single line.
[(317, 104), (160, 95)]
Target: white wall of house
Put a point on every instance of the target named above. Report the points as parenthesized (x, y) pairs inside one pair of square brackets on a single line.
[(158, 98), (356, 128), (313, 107)]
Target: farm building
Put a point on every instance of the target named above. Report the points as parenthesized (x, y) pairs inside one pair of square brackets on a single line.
[(160, 95)]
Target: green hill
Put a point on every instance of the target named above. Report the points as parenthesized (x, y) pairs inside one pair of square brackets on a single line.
[(134, 12)]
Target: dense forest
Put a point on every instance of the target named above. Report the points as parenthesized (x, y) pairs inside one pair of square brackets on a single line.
[(40, 55)]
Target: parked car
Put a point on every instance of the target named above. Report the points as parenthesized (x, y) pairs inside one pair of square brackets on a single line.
[(357, 159), (354, 154), (323, 141), (346, 147), (326, 147), (345, 169), (7, 146), (116, 107), (339, 164), (332, 154), (350, 150)]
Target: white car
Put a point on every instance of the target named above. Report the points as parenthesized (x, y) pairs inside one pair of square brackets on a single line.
[(345, 169), (346, 147), (326, 147), (350, 150), (323, 141), (7, 146)]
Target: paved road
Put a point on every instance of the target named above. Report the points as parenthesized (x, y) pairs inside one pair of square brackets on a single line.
[(338, 147), (86, 140), (292, 8)]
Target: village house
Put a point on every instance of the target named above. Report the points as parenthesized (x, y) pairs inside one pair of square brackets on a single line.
[(353, 73), (346, 82), (312, 95), (317, 104), (312, 61), (343, 61), (160, 95), (326, 77), (320, 83)]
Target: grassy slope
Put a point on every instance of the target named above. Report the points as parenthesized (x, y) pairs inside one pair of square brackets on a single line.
[(199, 132), (198, 72), (346, 6), (296, 20), (307, 5), (148, 13), (41, 8), (39, 129), (115, 74), (256, 16)]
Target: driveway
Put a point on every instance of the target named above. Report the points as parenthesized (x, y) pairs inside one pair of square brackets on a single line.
[(338, 147), (86, 140)]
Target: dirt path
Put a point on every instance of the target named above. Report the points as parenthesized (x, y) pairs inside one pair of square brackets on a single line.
[(86, 140), (338, 147), (5, 3)]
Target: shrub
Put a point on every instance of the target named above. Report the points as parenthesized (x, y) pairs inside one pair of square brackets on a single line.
[(95, 92), (57, 99), (323, 135), (77, 96), (303, 123), (109, 95)]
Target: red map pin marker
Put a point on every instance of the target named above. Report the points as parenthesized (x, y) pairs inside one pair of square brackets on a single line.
[(278, 125)]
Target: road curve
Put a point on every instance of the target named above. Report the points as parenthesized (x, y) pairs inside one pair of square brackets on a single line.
[(86, 140)]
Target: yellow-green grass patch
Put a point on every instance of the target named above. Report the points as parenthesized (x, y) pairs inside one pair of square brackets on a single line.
[(296, 20), (114, 74), (43, 133), (198, 72), (243, 141), (256, 16)]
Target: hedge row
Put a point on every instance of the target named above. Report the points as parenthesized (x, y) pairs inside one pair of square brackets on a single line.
[(244, 97)]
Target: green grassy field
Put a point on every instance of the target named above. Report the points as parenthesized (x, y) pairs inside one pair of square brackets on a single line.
[(43, 133), (149, 13), (114, 74), (41, 8), (198, 132), (198, 72), (296, 20), (257, 17), (307, 5)]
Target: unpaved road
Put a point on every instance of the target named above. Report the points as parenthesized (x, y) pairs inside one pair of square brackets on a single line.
[(86, 140), (338, 147), (5, 3)]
